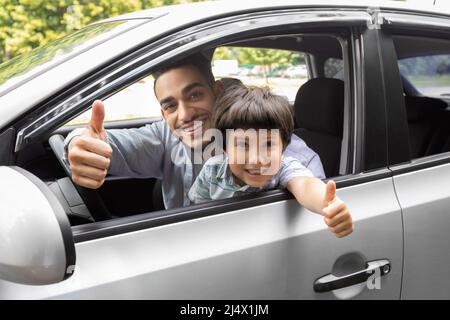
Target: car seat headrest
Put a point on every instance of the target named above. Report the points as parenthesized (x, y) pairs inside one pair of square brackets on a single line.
[(319, 106)]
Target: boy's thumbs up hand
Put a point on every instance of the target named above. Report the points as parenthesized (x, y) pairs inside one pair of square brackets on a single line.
[(337, 215), (330, 193)]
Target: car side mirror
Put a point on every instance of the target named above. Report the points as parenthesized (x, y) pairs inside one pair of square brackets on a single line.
[(36, 242)]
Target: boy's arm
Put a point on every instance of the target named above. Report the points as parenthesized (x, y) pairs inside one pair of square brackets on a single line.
[(321, 198), (309, 192)]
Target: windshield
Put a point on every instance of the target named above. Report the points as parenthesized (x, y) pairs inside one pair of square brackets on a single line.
[(22, 68), (429, 74)]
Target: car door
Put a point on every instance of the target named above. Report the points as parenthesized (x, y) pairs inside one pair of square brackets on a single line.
[(422, 175), (265, 246)]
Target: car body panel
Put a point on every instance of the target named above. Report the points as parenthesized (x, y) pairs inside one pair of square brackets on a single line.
[(273, 251), (422, 185), (424, 196)]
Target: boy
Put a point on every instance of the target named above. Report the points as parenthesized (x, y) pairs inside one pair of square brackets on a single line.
[(253, 158)]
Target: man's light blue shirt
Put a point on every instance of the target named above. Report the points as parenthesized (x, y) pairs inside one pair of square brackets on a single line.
[(153, 151)]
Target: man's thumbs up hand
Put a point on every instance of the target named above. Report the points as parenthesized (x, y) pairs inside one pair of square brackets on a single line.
[(337, 215), (90, 154)]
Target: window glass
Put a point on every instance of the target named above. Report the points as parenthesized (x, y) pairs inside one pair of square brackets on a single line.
[(424, 65), (334, 68), (137, 101), (283, 71), (429, 74)]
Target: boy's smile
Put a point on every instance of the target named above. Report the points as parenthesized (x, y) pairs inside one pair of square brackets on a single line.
[(254, 159)]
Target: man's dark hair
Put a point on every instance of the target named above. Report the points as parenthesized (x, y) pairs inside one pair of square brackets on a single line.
[(228, 82), (197, 60), (243, 107)]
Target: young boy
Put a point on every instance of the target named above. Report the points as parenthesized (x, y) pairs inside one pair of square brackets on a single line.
[(258, 126)]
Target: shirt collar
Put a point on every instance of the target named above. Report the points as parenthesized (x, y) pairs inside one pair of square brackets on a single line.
[(224, 173)]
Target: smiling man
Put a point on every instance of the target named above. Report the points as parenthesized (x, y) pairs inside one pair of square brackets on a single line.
[(186, 91)]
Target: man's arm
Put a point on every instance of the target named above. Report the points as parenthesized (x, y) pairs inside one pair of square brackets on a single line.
[(309, 192), (137, 152), (92, 152)]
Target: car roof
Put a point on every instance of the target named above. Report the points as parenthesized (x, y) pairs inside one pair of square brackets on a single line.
[(225, 7)]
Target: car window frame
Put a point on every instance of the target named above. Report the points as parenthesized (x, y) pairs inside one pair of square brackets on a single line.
[(435, 26), (144, 221)]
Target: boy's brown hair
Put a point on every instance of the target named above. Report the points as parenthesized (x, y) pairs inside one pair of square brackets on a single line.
[(242, 107)]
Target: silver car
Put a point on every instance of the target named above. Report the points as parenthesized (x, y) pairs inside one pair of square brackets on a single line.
[(375, 107)]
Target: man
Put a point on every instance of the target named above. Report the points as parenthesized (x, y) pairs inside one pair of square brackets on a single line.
[(186, 92)]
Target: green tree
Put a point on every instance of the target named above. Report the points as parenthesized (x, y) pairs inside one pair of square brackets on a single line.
[(27, 24), (268, 58)]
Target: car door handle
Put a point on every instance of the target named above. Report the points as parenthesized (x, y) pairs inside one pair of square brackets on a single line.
[(332, 282)]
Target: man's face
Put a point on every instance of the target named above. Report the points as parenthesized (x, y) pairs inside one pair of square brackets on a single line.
[(254, 158), (187, 102)]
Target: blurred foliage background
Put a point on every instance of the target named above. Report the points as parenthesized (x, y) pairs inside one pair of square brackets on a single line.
[(27, 24)]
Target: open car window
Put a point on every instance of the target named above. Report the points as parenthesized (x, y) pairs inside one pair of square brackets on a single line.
[(284, 71), (287, 62)]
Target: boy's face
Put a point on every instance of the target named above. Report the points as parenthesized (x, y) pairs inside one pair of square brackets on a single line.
[(254, 155), (187, 102)]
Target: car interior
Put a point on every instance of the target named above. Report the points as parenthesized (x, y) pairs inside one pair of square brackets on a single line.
[(318, 108), (428, 116)]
